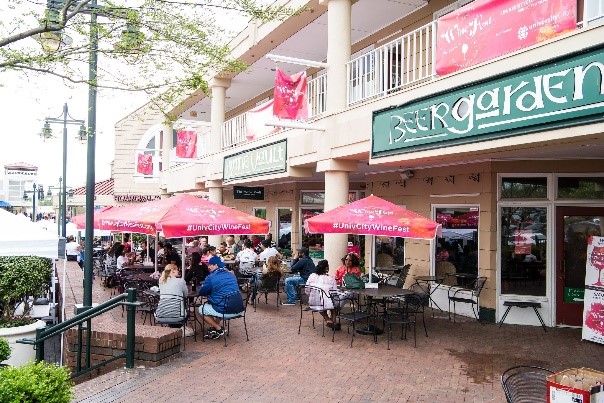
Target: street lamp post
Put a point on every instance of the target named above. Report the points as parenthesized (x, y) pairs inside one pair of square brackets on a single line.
[(49, 195), (46, 132), (39, 194)]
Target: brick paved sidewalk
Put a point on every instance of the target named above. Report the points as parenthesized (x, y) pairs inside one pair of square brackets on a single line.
[(458, 362)]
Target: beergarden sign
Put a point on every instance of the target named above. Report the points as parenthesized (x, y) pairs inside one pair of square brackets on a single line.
[(268, 159), (563, 93)]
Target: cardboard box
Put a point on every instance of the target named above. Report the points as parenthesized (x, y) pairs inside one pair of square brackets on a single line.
[(575, 386)]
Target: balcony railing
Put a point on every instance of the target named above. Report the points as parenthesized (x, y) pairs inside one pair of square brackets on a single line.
[(393, 66), (234, 130)]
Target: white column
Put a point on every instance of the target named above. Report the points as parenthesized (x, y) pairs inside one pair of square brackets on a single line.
[(336, 194), (218, 108), (338, 52), (215, 195), (167, 145)]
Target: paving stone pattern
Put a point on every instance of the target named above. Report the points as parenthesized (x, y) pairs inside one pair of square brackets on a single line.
[(458, 362)]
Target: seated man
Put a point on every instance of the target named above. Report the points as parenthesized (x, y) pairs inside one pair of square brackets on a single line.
[(304, 266), (216, 286), (246, 259)]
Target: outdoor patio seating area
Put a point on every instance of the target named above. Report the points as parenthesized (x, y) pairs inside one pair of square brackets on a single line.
[(458, 361)]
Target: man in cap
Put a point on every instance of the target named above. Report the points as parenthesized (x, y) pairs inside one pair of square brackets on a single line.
[(304, 266), (218, 284)]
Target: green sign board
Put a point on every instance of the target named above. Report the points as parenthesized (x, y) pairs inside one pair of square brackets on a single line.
[(574, 294), (560, 93), (316, 254), (264, 160)]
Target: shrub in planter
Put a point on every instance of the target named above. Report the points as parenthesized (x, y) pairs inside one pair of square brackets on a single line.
[(21, 277), (41, 382), (5, 350)]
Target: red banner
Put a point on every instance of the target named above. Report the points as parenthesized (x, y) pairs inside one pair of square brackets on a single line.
[(186, 144), (255, 121), (145, 164), (290, 96), (486, 29)]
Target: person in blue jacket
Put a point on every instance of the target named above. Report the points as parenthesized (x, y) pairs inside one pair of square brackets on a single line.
[(304, 266), (216, 286)]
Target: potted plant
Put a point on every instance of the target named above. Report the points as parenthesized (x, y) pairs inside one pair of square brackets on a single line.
[(41, 382), (5, 351), (22, 279)]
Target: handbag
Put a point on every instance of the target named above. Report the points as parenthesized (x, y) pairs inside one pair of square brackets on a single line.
[(352, 281)]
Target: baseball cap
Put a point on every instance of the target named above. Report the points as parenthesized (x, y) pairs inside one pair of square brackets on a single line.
[(303, 250), (217, 261)]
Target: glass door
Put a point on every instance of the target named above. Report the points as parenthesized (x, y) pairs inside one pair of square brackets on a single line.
[(574, 225), (284, 230)]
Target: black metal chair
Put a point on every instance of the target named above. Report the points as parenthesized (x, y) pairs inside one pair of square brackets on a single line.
[(172, 310), (229, 301), (525, 384), (318, 301), (266, 285), (470, 295), (350, 311), (405, 314)]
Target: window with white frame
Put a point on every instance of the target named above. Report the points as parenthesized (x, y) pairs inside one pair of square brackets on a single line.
[(593, 12), (149, 144)]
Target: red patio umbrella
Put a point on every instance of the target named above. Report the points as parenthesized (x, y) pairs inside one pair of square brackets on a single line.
[(80, 219), (373, 216), (181, 216)]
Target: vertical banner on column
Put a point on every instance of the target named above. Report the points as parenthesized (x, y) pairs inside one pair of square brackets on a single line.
[(593, 311), (186, 144), (486, 29), (290, 96), (145, 164)]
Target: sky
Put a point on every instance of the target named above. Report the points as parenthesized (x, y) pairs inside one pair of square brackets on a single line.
[(26, 100)]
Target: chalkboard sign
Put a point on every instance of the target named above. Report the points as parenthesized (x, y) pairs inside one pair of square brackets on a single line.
[(248, 193)]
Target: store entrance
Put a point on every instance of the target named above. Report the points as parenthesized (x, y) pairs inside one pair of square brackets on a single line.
[(573, 227)]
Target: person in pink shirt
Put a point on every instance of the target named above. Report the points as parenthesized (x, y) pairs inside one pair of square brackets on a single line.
[(350, 264)]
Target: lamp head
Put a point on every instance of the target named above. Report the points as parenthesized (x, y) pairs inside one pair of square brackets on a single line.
[(82, 134), (46, 132)]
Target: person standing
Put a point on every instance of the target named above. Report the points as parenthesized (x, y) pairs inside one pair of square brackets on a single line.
[(218, 284), (72, 249), (304, 266)]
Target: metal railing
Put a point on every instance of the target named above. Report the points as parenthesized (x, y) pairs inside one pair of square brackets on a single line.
[(233, 131), (393, 66), (86, 316)]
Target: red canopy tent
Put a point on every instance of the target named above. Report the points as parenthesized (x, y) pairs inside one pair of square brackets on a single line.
[(80, 219)]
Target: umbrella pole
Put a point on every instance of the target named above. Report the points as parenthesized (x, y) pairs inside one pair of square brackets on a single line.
[(147, 257), (155, 261), (184, 255)]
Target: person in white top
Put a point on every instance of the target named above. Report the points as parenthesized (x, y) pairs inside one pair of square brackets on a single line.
[(267, 251), (246, 259), (72, 249), (122, 260)]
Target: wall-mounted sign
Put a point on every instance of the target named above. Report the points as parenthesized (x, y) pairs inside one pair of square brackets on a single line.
[(562, 93), (265, 160), (465, 36), (248, 193), (135, 198)]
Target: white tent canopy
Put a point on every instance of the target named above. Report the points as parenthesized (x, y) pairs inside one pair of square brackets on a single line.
[(21, 237)]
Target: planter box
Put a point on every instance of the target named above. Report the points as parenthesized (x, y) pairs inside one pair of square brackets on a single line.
[(21, 353), (558, 392)]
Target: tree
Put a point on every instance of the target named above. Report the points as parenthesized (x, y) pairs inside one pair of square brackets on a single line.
[(162, 47)]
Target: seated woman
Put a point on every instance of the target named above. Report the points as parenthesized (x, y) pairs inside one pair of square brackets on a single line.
[(270, 276), (350, 265), (321, 302), (198, 271), (170, 308)]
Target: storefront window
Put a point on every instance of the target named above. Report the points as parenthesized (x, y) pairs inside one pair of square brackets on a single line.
[(260, 213), (284, 230), (524, 188), (457, 249), (314, 242), (523, 250), (389, 251), (580, 188)]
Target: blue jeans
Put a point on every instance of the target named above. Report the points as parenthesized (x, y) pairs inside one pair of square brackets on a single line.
[(290, 288)]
